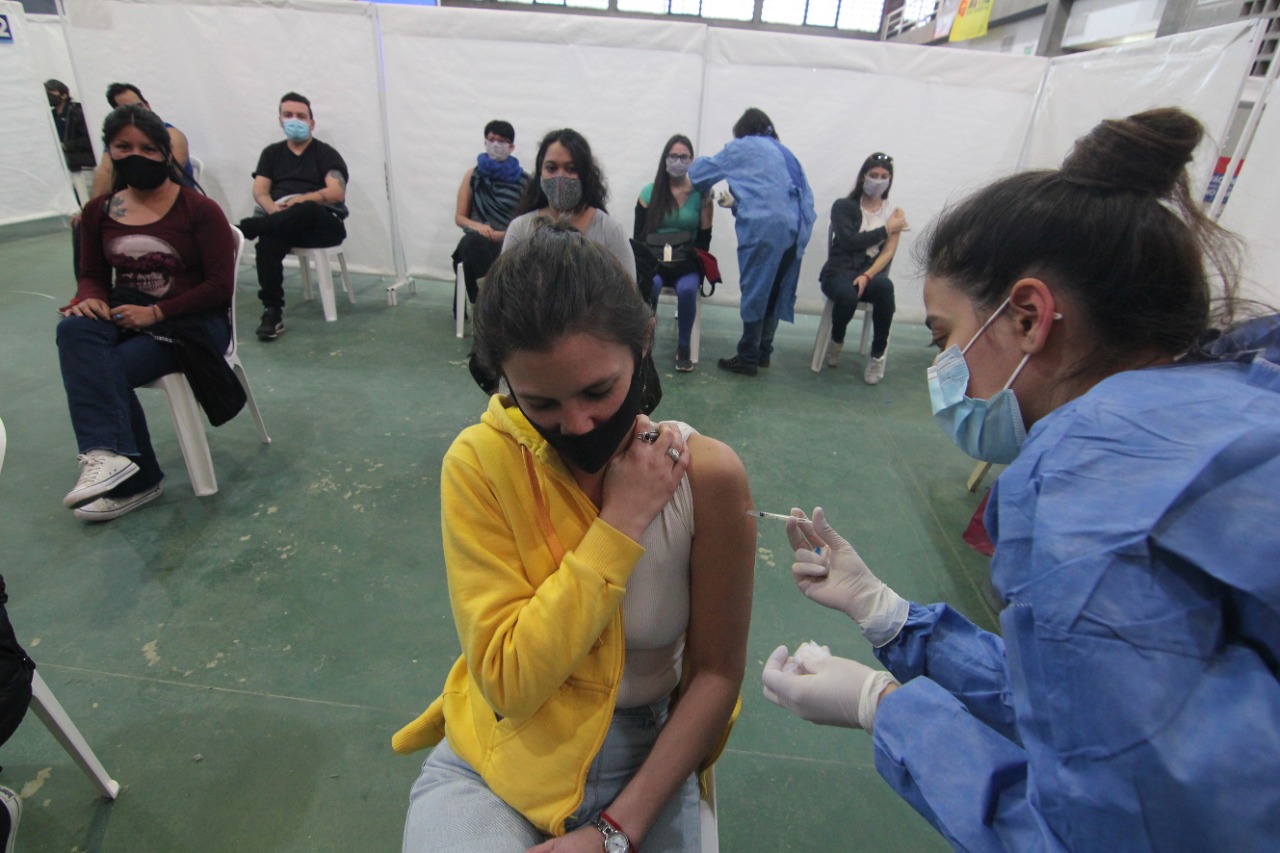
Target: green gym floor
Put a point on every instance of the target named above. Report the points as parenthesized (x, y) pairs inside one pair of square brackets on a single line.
[(239, 662)]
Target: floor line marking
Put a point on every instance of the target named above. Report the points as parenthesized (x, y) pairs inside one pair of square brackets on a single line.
[(801, 758), (237, 691)]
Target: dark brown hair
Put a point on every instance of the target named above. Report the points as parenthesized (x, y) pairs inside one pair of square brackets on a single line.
[(556, 283), (595, 192), (661, 201), (754, 122), (151, 125)]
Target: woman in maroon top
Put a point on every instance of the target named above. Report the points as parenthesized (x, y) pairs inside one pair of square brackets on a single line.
[(152, 251)]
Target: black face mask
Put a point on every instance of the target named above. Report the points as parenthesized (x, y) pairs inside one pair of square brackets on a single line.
[(55, 100), (142, 173), (591, 450)]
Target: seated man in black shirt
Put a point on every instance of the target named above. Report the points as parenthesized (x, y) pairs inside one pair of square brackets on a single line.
[(300, 187)]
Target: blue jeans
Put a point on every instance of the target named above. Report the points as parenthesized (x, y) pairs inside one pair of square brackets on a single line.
[(757, 336), (101, 365), (452, 810), (686, 301)]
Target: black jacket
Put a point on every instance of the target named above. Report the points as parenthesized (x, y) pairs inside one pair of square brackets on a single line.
[(214, 383), (77, 144)]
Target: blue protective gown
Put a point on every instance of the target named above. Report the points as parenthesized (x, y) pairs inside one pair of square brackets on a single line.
[(1133, 703), (773, 211)]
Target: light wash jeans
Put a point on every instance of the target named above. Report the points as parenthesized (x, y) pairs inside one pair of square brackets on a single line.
[(452, 810)]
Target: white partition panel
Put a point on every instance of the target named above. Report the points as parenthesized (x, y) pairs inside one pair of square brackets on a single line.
[(217, 71), (1253, 209), (33, 175), (52, 59), (1202, 72), (626, 85), (952, 120)]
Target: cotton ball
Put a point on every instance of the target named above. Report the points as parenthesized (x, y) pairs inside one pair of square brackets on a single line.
[(809, 653)]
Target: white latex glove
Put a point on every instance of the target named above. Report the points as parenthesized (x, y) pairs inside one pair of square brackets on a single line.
[(836, 692), (725, 199), (830, 572)]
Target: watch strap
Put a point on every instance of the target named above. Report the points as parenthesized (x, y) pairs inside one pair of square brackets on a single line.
[(610, 827)]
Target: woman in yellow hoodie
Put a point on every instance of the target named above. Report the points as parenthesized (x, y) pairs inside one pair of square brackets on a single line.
[(600, 573)]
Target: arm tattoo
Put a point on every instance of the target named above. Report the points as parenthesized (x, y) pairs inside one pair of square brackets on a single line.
[(337, 176), (117, 208)]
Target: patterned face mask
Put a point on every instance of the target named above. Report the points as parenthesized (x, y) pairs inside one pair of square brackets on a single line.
[(563, 193)]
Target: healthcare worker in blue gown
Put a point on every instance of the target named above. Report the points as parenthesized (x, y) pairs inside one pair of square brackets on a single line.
[(1131, 700), (774, 215)]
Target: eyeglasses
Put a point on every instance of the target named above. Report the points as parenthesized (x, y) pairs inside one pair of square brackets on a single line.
[(680, 158), (880, 158)]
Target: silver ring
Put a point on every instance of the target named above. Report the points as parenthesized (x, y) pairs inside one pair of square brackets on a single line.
[(673, 454), (118, 316)]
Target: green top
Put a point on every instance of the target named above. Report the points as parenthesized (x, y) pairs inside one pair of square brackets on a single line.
[(687, 218)]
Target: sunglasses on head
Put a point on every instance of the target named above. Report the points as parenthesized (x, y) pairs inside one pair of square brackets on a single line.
[(881, 158)]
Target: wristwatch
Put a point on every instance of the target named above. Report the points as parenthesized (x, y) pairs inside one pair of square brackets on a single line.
[(615, 840)]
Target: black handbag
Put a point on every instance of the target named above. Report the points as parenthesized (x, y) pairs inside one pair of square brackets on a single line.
[(676, 253)]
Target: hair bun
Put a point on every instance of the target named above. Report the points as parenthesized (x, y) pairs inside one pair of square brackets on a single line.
[(1147, 152)]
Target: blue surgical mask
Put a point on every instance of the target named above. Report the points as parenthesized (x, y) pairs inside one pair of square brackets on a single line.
[(297, 129), (991, 430)]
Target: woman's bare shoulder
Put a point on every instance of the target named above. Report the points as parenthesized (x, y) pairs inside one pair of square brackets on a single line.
[(715, 471)]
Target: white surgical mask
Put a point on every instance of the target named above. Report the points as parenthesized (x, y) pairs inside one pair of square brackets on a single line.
[(991, 430), (497, 150), (875, 187), (677, 168)]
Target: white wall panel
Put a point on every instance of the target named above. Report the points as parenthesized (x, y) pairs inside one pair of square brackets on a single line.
[(951, 120), (1253, 210), (1201, 72), (33, 177), (217, 71), (626, 85), (52, 59)]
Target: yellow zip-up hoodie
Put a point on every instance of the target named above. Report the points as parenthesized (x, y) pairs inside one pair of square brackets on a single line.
[(536, 581)]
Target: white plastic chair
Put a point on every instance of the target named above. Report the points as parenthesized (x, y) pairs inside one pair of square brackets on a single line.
[(824, 334), (695, 337), (324, 276), (977, 475), (197, 167), (707, 815), (55, 719), (188, 421), (459, 300)]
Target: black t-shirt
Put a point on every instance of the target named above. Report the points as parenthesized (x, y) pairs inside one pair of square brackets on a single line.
[(291, 174)]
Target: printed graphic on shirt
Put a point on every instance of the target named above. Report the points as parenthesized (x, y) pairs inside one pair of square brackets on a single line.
[(144, 263)]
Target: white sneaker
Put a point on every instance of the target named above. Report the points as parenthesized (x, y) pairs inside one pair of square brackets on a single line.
[(105, 508), (100, 471), (11, 804), (833, 354), (875, 370)]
